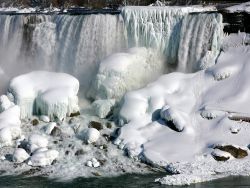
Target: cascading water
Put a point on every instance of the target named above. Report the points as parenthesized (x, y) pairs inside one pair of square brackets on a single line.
[(72, 44), (183, 34), (77, 44)]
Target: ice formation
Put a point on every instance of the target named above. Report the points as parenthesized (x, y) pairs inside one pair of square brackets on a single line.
[(170, 30), (123, 72), (45, 93), (102, 108), (185, 99)]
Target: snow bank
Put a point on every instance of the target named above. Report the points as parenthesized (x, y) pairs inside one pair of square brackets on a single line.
[(45, 93), (123, 72), (199, 105)]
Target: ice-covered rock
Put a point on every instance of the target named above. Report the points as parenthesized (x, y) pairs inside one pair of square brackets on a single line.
[(5, 103), (123, 72), (20, 155), (93, 163), (44, 118), (103, 107), (10, 125), (37, 141), (45, 93), (43, 157), (220, 155), (50, 127), (90, 135)]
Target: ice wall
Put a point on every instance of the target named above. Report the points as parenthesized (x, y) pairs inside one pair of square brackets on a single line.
[(181, 33)]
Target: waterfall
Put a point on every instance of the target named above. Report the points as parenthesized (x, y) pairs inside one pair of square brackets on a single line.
[(77, 44), (71, 44), (183, 34)]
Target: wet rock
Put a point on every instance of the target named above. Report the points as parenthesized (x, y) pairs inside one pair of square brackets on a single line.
[(35, 122), (75, 114), (67, 152), (109, 125), (31, 171), (96, 173), (96, 125), (235, 151), (56, 132), (80, 152)]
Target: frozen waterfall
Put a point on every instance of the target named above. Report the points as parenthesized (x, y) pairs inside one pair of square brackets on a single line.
[(77, 44)]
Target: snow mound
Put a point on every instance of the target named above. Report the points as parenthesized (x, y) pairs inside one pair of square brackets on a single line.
[(123, 72), (9, 125), (45, 93)]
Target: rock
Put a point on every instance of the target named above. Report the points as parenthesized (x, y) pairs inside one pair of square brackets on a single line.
[(75, 114), (67, 152), (96, 125), (96, 173), (80, 152), (50, 127), (44, 118), (20, 155), (235, 130), (56, 131), (90, 135), (102, 108), (35, 122), (236, 151), (109, 125), (219, 155)]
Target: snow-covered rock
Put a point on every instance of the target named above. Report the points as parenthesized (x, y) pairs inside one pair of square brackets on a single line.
[(43, 157), (50, 127), (103, 107), (45, 93), (44, 118), (243, 7), (90, 135), (93, 163), (9, 125), (5, 103), (37, 141), (123, 72), (20, 155)]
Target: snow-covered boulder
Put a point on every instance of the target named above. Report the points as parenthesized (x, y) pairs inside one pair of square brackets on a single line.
[(103, 107), (36, 141), (90, 135), (45, 93), (20, 155), (43, 157), (219, 155), (123, 72), (9, 125), (44, 118)]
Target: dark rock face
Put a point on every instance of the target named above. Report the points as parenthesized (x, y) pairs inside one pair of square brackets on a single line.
[(220, 158), (56, 132), (75, 114), (237, 21), (96, 125), (237, 152), (35, 122)]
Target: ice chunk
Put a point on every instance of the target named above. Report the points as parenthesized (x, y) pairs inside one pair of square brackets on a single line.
[(45, 119), (5, 103), (20, 155), (103, 107), (45, 93), (43, 158), (37, 141)]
